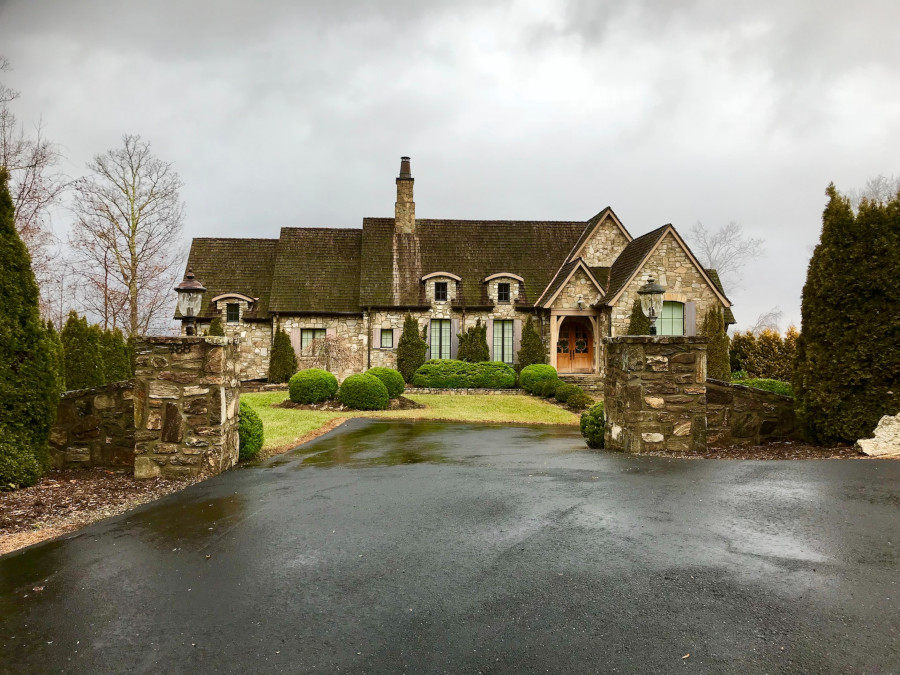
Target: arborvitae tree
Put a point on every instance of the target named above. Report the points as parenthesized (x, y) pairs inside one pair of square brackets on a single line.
[(283, 361), (410, 349), (81, 345), (57, 356), (718, 365), (29, 390), (473, 346), (215, 328), (114, 356), (531, 350), (847, 373), (639, 324)]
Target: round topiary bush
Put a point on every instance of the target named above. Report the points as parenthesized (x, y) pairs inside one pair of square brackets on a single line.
[(535, 373), (547, 388), (250, 432), (364, 392), (391, 378), (578, 402), (593, 425), (564, 392), (312, 386)]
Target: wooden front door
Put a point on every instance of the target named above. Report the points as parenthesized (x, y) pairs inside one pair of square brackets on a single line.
[(575, 347)]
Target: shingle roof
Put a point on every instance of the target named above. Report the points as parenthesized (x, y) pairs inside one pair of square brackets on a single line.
[(467, 248), (316, 270), (559, 280), (629, 260), (234, 266), (714, 276)]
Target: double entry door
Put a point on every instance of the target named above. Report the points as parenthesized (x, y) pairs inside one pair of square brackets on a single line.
[(574, 347)]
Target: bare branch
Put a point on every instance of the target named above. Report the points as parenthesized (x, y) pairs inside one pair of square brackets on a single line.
[(725, 250), (768, 320)]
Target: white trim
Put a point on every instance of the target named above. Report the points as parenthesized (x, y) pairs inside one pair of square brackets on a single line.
[(590, 276), (670, 228), (239, 296), (432, 275), (503, 275)]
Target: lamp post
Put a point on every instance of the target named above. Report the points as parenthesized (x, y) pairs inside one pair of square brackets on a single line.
[(190, 301), (651, 301)]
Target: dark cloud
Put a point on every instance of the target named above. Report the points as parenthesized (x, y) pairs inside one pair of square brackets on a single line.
[(287, 113)]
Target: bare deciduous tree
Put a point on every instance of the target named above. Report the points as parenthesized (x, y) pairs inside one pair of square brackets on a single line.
[(725, 250), (129, 219), (768, 320), (331, 353), (33, 183), (879, 188)]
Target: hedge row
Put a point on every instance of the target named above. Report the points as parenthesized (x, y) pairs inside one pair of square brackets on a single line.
[(450, 374)]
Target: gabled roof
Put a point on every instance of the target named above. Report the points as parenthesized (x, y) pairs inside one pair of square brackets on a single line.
[(316, 270), (225, 265), (470, 249), (562, 278), (714, 276), (592, 226)]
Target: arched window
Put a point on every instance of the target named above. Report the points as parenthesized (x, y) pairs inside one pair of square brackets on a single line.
[(671, 321)]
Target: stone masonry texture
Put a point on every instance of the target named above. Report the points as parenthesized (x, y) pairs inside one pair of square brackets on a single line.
[(655, 394), (739, 415), (186, 397)]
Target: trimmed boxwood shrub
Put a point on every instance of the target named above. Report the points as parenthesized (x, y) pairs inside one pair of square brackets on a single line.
[(563, 393), (534, 373), (391, 378), (364, 392), (250, 432), (312, 385), (578, 402), (216, 328), (593, 426), (547, 388), (450, 374)]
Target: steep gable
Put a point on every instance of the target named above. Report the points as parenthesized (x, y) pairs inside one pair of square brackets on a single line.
[(602, 241)]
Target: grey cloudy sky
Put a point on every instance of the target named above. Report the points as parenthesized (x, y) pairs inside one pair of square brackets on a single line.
[(296, 113)]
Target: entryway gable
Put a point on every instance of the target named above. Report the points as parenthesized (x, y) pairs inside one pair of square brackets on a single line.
[(574, 287), (603, 240)]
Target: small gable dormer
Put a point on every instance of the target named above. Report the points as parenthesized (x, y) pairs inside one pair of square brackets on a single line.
[(441, 287), (504, 288), (232, 306)]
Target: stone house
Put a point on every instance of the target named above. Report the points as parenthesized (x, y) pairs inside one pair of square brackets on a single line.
[(577, 279)]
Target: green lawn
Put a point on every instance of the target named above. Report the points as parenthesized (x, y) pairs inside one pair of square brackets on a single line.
[(284, 426)]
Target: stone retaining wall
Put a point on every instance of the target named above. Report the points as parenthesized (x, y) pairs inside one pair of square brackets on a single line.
[(739, 415), (186, 397), (94, 427), (655, 393)]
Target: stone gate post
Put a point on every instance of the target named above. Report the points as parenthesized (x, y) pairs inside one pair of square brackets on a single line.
[(655, 393), (186, 396)]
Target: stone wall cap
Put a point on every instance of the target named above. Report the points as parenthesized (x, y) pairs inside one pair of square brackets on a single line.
[(657, 339), (112, 386), (744, 387)]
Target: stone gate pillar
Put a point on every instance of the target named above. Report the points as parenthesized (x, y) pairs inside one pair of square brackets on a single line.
[(186, 396), (655, 393)]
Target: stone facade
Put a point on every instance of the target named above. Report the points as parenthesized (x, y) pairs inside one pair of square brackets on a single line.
[(186, 397), (255, 338), (604, 245), (655, 393), (352, 331), (671, 267), (94, 427), (581, 285), (739, 415)]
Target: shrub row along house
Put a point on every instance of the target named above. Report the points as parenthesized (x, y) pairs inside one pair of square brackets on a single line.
[(578, 280)]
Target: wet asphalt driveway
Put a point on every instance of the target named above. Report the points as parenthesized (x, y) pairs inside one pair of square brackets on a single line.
[(431, 547)]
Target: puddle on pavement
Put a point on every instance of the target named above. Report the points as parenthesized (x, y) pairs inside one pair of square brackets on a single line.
[(170, 525)]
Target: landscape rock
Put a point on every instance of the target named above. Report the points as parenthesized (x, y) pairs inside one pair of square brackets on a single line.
[(886, 441)]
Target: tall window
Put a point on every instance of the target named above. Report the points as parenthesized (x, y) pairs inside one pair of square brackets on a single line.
[(232, 312), (387, 338), (502, 292), (503, 341), (440, 337), (671, 321), (307, 335), (440, 290)]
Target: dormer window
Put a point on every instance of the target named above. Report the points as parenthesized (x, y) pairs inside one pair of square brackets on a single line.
[(440, 291), (503, 292), (232, 312)]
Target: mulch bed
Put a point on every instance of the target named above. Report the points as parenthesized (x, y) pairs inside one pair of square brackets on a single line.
[(400, 403), (778, 450), (65, 500)]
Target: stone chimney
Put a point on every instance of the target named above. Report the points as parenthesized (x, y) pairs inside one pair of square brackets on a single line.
[(405, 207)]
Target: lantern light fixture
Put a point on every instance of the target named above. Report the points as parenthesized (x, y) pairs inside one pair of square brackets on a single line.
[(651, 301), (190, 301)]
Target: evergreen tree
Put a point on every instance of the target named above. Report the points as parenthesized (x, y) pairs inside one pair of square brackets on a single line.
[(531, 350), (283, 361), (847, 373), (473, 346), (114, 356), (410, 349), (216, 328), (81, 345), (57, 356), (29, 389), (639, 324), (718, 365)]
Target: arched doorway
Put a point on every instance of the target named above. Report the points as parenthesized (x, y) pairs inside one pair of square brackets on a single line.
[(575, 346)]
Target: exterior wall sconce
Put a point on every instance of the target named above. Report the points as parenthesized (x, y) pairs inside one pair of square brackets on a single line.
[(190, 301), (651, 302), (580, 301)]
